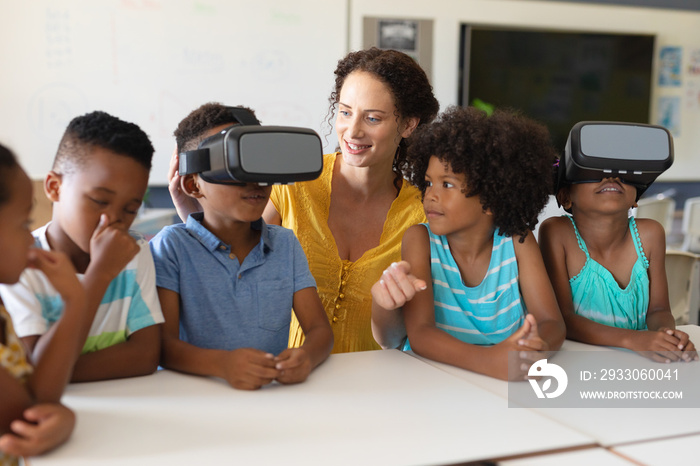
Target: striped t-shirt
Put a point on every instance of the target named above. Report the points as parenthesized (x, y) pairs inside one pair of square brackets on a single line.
[(129, 304), (487, 313)]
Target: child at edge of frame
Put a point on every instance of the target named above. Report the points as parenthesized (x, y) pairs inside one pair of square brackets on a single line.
[(608, 268), (32, 420)]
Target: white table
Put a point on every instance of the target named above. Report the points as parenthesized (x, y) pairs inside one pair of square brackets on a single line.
[(677, 450), (607, 426), (377, 407), (623, 425), (585, 457)]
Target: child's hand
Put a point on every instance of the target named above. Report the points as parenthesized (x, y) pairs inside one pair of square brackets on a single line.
[(660, 345), (184, 204), (532, 341), (294, 365), (59, 270), (111, 247), (684, 344), (45, 426), (249, 368), (397, 286), (518, 352)]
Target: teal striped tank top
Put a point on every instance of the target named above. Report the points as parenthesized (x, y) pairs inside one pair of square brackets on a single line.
[(487, 313)]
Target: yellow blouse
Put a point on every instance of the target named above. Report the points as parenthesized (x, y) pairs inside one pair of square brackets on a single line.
[(344, 286), (13, 360)]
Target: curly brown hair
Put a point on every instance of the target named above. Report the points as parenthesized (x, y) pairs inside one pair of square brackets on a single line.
[(506, 159), (409, 85), (190, 131)]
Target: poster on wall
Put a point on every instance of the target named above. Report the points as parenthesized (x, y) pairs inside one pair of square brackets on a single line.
[(399, 35), (692, 85), (413, 37), (670, 66), (694, 63), (668, 114), (692, 95)]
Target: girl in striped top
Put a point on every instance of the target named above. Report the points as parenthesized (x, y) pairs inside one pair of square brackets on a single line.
[(472, 284)]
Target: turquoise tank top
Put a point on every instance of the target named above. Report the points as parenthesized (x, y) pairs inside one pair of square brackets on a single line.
[(598, 297), (482, 315)]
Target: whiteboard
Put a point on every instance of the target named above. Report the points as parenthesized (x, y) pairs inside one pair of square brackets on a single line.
[(151, 62)]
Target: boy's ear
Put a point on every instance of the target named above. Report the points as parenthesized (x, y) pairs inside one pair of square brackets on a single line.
[(189, 184), (52, 186)]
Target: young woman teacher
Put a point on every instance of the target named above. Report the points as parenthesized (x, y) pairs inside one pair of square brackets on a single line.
[(351, 219)]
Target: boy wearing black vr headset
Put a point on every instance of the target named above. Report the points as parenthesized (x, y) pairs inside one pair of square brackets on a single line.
[(227, 282), (607, 268)]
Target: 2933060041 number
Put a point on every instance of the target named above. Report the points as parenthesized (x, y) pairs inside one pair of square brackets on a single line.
[(638, 374)]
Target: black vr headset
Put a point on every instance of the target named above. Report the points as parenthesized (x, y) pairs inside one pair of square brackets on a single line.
[(634, 152), (251, 153)]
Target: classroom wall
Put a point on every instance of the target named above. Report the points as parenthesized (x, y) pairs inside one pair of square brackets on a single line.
[(152, 61), (672, 28)]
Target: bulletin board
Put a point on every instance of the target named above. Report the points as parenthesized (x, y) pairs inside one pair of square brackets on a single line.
[(153, 61)]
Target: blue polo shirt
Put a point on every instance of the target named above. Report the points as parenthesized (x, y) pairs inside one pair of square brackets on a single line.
[(225, 304)]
